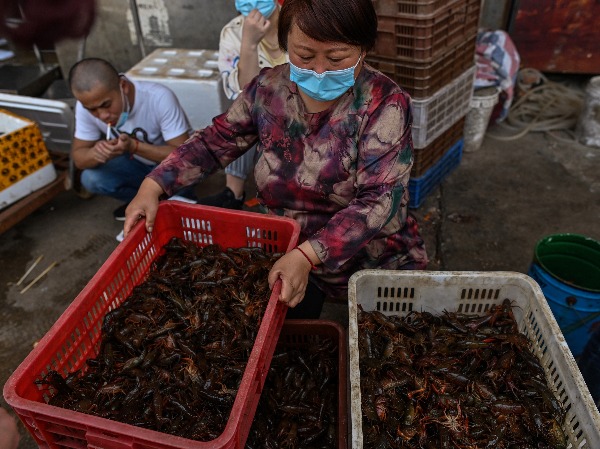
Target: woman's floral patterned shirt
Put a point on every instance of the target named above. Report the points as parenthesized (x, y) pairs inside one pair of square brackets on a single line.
[(342, 173)]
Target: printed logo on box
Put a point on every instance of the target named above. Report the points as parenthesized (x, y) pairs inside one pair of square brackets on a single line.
[(22, 149)]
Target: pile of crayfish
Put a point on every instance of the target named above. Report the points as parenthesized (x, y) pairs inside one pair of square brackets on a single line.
[(298, 405), (454, 381), (172, 355)]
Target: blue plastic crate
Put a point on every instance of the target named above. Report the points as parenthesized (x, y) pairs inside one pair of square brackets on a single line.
[(422, 186)]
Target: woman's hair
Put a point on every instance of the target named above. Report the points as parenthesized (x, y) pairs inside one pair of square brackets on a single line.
[(85, 74), (353, 22)]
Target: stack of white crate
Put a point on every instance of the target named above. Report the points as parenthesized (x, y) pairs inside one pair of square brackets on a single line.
[(193, 75)]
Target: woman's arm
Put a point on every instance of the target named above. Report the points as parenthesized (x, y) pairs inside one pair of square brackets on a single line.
[(145, 204), (212, 148), (230, 43), (238, 51), (254, 29)]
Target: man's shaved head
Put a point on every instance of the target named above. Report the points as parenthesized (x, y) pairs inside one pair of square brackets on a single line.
[(87, 73)]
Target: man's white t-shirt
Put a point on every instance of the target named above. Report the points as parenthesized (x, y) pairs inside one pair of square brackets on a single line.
[(156, 117)]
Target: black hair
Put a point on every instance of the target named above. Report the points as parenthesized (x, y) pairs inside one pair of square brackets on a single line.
[(87, 73), (352, 22)]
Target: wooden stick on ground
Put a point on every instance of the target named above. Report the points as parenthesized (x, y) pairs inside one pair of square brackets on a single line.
[(52, 265), (30, 269)]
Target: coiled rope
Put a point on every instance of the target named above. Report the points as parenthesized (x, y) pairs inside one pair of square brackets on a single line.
[(547, 107)]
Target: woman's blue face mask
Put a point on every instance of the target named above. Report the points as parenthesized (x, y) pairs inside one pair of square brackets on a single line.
[(325, 86), (265, 7)]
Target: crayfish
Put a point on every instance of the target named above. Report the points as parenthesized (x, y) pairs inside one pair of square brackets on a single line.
[(172, 355), (458, 380), (297, 408)]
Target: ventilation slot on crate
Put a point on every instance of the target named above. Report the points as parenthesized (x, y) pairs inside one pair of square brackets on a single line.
[(480, 293), (395, 292), (476, 308), (255, 235), (394, 306), (199, 238)]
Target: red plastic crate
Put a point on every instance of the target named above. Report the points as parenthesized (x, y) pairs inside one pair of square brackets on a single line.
[(424, 38), (76, 335), (423, 79), (296, 334)]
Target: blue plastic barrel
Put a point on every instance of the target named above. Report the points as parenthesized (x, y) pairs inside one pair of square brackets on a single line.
[(567, 268)]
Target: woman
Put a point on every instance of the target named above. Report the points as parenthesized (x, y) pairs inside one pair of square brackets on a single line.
[(334, 152), (247, 44)]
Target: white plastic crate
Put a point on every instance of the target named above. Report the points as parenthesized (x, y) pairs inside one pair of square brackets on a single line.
[(54, 118), (399, 292), (434, 115), (194, 77)]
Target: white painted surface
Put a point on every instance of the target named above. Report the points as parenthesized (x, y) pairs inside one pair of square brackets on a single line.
[(154, 21)]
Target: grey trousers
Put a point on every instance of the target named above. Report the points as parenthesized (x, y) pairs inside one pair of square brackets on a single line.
[(242, 165)]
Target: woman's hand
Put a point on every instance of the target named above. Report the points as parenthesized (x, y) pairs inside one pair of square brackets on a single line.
[(293, 269), (145, 204), (254, 29)]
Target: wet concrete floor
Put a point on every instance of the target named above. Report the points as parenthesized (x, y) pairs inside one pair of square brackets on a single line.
[(487, 215)]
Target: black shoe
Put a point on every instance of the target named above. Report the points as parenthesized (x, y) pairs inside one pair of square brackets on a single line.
[(119, 212), (225, 199)]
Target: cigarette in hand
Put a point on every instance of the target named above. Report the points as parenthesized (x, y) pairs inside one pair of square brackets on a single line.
[(108, 131)]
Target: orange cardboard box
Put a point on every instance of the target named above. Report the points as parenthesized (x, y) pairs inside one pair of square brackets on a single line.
[(25, 164)]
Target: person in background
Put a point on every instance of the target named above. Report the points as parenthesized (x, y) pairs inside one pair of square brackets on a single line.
[(9, 434), (247, 44), (123, 129), (334, 152)]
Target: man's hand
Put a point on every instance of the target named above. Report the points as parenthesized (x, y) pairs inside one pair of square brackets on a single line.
[(105, 150), (145, 204)]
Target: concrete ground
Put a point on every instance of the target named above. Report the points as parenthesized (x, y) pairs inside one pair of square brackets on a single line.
[(487, 215)]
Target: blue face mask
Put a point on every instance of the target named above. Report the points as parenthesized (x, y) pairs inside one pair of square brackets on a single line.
[(325, 86), (265, 7), (125, 113)]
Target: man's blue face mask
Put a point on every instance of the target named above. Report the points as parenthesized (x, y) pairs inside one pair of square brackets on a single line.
[(325, 86), (265, 7), (125, 113)]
